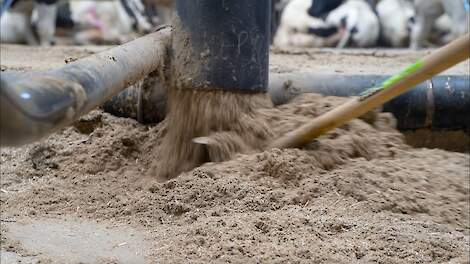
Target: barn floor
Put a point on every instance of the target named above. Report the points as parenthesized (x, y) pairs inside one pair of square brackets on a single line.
[(357, 195)]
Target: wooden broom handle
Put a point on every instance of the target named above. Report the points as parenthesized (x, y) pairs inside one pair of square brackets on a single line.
[(433, 64)]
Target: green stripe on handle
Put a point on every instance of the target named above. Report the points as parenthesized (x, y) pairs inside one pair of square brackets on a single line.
[(392, 80)]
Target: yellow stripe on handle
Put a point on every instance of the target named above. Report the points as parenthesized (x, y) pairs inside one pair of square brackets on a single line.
[(433, 64)]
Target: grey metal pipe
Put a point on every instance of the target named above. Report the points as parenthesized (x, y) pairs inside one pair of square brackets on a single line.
[(33, 105)]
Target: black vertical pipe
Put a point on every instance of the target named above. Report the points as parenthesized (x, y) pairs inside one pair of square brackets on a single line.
[(228, 42)]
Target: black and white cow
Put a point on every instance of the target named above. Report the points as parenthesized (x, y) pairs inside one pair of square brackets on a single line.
[(35, 22), (359, 22), (109, 21), (428, 12), (320, 23), (303, 24), (30, 22), (396, 21)]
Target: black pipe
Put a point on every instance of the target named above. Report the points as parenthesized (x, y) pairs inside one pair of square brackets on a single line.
[(222, 44), (440, 103), (33, 105)]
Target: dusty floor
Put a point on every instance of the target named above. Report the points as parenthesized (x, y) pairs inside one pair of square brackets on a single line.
[(353, 61), (357, 195)]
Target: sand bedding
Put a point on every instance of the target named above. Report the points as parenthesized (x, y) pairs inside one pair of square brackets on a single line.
[(358, 194)]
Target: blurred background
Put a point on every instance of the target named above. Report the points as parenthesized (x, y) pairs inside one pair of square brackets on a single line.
[(296, 23)]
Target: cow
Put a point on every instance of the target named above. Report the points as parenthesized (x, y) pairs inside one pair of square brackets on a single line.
[(396, 21), (429, 11), (18, 25), (302, 24), (113, 22), (104, 22), (359, 23), (316, 23), (35, 22)]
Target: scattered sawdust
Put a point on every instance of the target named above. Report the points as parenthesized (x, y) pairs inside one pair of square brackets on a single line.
[(226, 123), (227, 118), (357, 194)]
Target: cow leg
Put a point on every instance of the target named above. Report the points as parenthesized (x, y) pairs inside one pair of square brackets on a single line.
[(458, 17), (46, 22), (420, 32), (16, 26), (334, 39), (28, 31), (305, 40), (427, 11)]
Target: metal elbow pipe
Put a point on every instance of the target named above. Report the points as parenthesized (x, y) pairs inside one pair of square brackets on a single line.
[(33, 105)]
